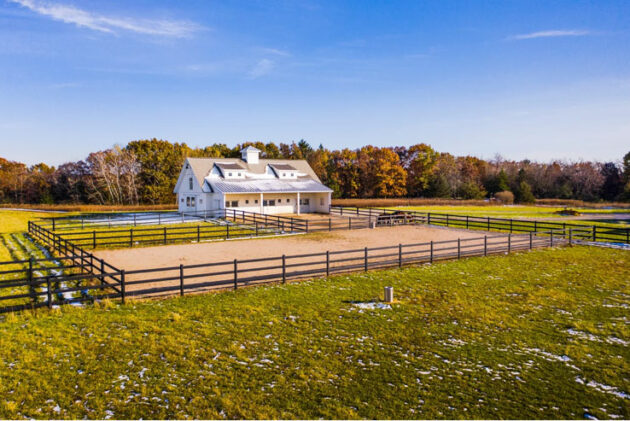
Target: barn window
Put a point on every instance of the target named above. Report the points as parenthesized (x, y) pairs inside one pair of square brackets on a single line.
[(182, 200), (304, 202), (235, 203), (265, 202), (190, 184), (246, 202), (256, 201), (229, 174), (192, 201), (279, 200), (272, 202), (188, 201), (321, 201)]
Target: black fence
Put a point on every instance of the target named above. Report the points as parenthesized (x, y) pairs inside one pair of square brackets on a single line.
[(227, 224), (238, 273), (94, 279), (582, 232), (74, 277)]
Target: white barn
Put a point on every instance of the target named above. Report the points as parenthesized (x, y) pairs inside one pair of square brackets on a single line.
[(270, 186)]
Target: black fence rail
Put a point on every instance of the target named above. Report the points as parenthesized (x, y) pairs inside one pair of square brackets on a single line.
[(237, 273), (583, 232), (77, 276)]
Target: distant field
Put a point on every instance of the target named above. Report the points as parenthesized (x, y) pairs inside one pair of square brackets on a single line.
[(515, 211), (458, 202), (542, 334)]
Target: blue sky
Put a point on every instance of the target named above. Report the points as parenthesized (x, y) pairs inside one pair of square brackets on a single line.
[(523, 79)]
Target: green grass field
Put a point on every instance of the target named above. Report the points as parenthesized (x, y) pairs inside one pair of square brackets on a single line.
[(542, 334), (513, 211)]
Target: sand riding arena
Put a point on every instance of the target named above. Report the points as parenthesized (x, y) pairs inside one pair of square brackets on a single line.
[(132, 257)]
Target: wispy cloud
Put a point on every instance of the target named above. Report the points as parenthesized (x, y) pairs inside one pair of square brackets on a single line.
[(262, 68), (554, 33), (275, 52), (110, 24)]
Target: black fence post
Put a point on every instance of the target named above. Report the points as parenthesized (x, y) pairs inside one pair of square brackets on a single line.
[(467, 221), (227, 231), (531, 240), (53, 226), (485, 245), (122, 286), (551, 238), (399, 255), (164, 235), (94, 239), (49, 292), (459, 249), (509, 242), (181, 280), (366, 258), (198, 233), (284, 269), (431, 254), (328, 262), (131, 237), (429, 218), (235, 274), (30, 271), (594, 232)]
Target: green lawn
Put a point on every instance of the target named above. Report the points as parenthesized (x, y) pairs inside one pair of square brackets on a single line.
[(542, 334), (17, 221), (511, 211)]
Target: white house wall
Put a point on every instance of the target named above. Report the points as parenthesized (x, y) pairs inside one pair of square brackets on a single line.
[(184, 191)]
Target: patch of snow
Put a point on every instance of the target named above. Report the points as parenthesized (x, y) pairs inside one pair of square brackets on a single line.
[(372, 306)]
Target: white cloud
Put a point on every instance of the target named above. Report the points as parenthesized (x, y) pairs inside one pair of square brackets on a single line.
[(262, 68), (110, 24), (552, 34), (276, 52)]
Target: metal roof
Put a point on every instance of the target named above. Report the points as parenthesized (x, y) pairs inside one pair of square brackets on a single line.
[(268, 186)]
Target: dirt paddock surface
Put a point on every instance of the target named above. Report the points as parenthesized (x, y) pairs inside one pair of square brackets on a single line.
[(226, 251)]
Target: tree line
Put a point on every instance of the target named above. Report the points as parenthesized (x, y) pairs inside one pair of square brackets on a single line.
[(145, 172)]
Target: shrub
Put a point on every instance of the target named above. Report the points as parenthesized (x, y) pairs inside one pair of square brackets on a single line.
[(471, 190), (505, 197), (524, 193)]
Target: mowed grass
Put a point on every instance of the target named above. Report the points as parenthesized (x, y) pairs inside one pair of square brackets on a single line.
[(540, 213), (542, 334), (150, 235), (513, 211), (17, 221)]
